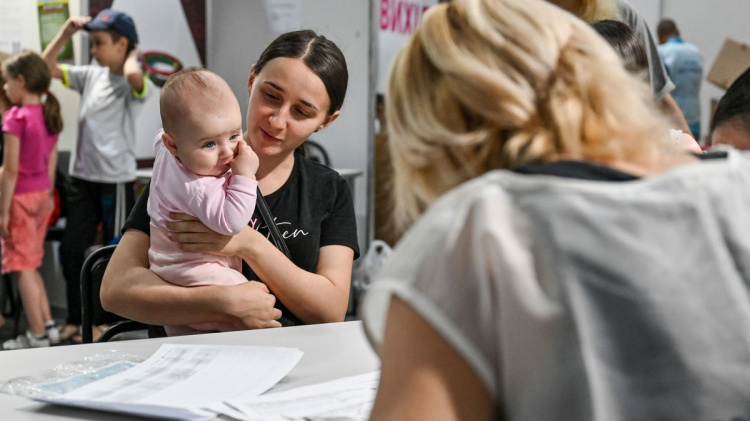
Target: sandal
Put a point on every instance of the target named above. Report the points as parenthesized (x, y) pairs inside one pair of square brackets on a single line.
[(97, 332), (68, 332)]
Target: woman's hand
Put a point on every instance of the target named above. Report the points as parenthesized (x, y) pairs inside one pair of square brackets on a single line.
[(195, 237), (251, 304), (129, 288)]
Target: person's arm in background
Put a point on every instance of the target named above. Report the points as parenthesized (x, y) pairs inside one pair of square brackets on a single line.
[(11, 151), (71, 26), (130, 289), (423, 376), (673, 111), (133, 72), (319, 297)]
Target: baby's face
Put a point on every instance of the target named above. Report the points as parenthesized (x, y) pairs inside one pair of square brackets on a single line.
[(207, 140)]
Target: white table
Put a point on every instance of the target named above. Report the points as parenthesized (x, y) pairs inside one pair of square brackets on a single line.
[(331, 351)]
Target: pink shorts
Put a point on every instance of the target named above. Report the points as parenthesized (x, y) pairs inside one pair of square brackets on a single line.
[(23, 247)]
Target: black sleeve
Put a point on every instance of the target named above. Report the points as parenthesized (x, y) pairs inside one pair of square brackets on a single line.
[(340, 228), (139, 218)]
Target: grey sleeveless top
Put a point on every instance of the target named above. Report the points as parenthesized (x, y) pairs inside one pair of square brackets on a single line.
[(589, 300)]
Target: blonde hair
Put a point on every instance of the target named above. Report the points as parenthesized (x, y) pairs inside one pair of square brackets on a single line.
[(488, 84), (594, 10)]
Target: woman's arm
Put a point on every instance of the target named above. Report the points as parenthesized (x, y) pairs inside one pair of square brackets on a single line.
[(130, 289), (11, 151), (318, 297), (423, 377)]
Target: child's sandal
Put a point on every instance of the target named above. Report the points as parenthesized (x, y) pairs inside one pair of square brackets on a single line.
[(68, 332)]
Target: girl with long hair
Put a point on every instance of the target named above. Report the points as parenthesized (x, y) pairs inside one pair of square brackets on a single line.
[(31, 130)]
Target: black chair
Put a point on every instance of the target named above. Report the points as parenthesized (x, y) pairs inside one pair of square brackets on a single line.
[(10, 306), (92, 312), (316, 152)]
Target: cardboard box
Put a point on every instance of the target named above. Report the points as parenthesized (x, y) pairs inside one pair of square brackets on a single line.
[(733, 60)]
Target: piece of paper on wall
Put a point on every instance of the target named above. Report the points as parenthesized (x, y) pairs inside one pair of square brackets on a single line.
[(52, 17), (397, 20), (283, 15), (12, 25)]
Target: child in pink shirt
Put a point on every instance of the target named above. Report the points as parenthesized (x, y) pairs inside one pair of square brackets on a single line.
[(31, 131), (203, 168)]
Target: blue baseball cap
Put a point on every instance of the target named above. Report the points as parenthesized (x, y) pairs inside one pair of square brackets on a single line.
[(116, 21)]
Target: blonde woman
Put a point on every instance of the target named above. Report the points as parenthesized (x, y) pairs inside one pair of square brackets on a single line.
[(569, 261)]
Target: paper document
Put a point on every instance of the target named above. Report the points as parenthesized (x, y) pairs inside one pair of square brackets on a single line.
[(186, 382), (351, 397)]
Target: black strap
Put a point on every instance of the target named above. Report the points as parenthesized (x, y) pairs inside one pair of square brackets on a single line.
[(265, 213)]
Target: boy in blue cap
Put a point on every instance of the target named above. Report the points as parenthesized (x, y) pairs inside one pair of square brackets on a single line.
[(103, 169)]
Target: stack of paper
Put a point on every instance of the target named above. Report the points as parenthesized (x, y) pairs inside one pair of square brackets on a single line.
[(183, 382), (346, 398)]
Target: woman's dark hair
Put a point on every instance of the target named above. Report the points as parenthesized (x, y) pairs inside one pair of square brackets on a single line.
[(320, 54), (36, 74), (735, 105), (625, 42)]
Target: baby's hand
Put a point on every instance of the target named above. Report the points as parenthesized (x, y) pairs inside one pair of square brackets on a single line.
[(245, 162), (74, 24)]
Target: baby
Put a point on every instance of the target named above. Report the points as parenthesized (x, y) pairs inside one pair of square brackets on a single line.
[(203, 167)]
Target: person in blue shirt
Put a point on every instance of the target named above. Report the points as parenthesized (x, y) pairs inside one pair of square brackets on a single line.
[(684, 64)]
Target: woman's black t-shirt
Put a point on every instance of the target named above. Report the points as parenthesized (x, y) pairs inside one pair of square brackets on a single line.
[(313, 209)]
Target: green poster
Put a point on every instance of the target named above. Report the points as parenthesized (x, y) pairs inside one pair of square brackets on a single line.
[(52, 17)]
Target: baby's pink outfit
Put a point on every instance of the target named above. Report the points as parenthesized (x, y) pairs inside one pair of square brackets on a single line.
[(224, 204)]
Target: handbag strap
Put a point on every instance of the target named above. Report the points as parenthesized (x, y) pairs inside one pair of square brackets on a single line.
[(265, 213)]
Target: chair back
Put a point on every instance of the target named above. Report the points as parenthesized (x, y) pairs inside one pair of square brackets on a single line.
[(316, 152), (92, 312)]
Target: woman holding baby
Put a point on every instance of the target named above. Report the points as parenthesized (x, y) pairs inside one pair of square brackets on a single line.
[(296, 88)]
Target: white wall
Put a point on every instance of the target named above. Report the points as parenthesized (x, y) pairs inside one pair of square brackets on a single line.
[(707, 24), (153, 20), (649, 9), (24, 15), (238, 31)]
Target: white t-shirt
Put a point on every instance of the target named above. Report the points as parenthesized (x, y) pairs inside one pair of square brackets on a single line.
[(589, 300), (105, 149)]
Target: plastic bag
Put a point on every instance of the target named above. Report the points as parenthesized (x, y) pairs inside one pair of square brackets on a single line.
[(66, 377), (365, 273)]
